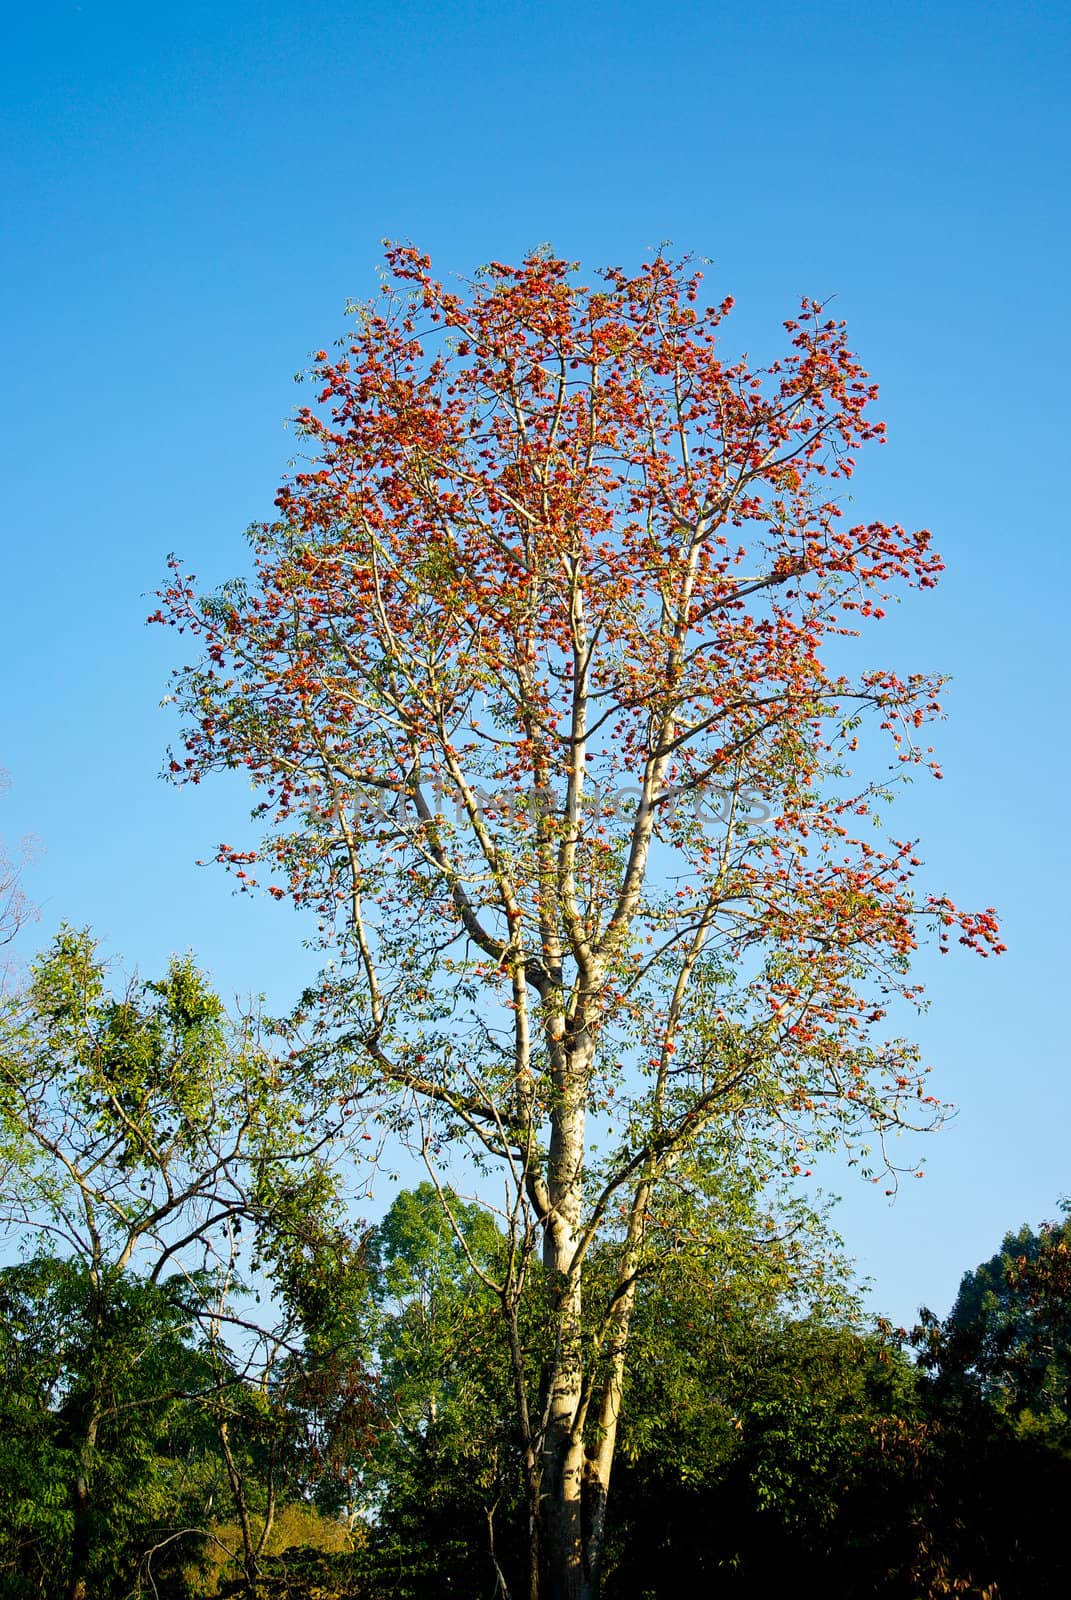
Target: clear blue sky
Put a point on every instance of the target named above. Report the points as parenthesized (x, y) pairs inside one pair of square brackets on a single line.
[(192, 192)]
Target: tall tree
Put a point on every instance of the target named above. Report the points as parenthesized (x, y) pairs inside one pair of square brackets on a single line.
[(534, 675)]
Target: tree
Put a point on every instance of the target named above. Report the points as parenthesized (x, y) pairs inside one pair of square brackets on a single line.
[(534, 676), (756, 1457), (295, 1411), (446, 1479), (122, 1354), (995, 1462), (433, 1307), (1007, 1339), (147, 1145)]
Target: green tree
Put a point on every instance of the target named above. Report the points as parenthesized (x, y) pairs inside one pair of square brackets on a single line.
[(98, 1377), (446, 1481), (448, 1477), (296, 1412), (146, 1143), (994, 1462), (1007, 1339), (758, 1459)]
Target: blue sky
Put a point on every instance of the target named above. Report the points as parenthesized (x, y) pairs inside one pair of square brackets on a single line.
[(192, 194)]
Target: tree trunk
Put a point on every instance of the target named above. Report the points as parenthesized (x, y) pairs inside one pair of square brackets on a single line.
[(601, 1457), (576, 1480), (562, 1535), (249, 1557), (81, 1536)]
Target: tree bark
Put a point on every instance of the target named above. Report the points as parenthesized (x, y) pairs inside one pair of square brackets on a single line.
[(249, 1558), (82, 1537), (562, 1552)]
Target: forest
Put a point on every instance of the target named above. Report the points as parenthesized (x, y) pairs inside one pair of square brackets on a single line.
[(546, 676), (162, 1434)]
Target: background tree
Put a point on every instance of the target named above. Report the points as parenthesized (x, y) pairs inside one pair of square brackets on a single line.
[(119, 1358), (535, 675), (994, 1466), (145, 1141), (1007, 1339), (446, 1482), (295, 1407), (757, 1456)]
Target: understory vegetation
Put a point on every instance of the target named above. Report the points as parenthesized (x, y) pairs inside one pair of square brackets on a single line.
[(249, 1394)]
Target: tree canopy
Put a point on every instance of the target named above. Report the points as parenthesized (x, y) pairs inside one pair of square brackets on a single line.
[(537, 676), (158, 1161)]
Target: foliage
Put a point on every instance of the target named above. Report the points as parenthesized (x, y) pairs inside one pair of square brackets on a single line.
[(303, 1544), (119, 1352), (128, 1122), (751, 1412), (310, 1573), (436, 1313), (995, 1459), (813, 1456), (446, 1479), (149, 1146), (1007, 1339), (764, 1444), (127, 1353), (298, 1415)]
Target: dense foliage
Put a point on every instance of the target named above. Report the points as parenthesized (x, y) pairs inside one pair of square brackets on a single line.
[(376, 1453), (164, 1169)]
